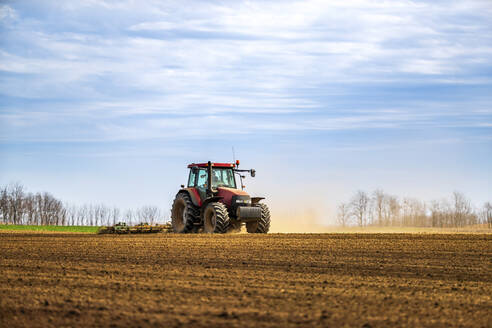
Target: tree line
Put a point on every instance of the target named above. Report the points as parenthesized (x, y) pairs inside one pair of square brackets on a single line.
[(20, 207), (363, 209), (381, 209)]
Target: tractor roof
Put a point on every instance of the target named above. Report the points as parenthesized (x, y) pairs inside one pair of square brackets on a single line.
[(213, 164)]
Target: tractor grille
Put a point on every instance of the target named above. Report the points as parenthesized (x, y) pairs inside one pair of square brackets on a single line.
[(248, 213)]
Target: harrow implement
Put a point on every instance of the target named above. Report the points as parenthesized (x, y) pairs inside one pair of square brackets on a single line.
[(123, 228)]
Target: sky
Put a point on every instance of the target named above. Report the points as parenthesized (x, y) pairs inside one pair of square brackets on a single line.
[(108, 101)]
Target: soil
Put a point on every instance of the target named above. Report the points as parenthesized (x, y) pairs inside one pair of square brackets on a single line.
[(245, 280)]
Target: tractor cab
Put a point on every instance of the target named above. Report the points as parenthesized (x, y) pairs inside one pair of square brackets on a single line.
[(222, 175), (212, 201)]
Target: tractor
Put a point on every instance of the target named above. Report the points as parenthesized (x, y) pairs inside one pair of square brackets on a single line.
[(213, 203)]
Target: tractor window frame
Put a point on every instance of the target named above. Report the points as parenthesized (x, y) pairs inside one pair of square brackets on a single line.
[(193, 175)]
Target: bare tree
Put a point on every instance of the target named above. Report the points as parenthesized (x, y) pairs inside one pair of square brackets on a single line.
[(149, 214), (419, 214), (461, 210), (436, 215), (30, 209), (71, 214), (15, 201), (100, 213), (343, 214), (378, 201), (115, 215), (129, 216), (394, 209), (4, 205), (359, 205), (81, 216), (407, 212), (488, 213), (62, 215), (91, 213), (445, 214)]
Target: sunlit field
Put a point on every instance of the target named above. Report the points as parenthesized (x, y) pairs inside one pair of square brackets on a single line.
[(245, 280)]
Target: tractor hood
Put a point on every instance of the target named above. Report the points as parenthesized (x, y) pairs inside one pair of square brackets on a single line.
[(227, 194)]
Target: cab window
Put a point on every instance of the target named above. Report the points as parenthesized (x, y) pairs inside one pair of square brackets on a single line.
[(202, 178), (223, 178)]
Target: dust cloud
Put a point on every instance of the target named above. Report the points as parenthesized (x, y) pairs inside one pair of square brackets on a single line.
[(299, 220), (300, 213)]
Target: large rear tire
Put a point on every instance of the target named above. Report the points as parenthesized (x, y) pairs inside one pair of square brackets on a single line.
[(183, 213), (215, 218), (263, 224)]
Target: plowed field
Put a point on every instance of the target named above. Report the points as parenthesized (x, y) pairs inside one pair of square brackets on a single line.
[(356, 280)]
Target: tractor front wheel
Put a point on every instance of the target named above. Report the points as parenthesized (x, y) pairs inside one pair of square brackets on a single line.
[(263, 224), (215, 218)]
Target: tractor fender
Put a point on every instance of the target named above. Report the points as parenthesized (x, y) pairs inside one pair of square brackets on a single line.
[(256, 200), (211, 200), (193, 193)]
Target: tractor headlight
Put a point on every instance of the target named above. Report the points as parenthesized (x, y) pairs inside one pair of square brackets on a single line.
[(241, 200)]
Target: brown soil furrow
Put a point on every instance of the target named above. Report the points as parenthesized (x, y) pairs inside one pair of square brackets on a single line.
[(245, 280)]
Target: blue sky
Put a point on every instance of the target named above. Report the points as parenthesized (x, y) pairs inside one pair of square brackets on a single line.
[(107, 101)]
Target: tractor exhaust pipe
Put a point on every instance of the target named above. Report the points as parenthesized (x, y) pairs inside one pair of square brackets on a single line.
[(209, 179)]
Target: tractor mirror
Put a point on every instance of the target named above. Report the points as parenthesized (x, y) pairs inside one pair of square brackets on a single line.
[(253, 172)]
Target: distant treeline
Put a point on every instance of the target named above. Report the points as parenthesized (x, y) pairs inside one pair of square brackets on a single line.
[(20, 207), (381, 209), (364, 209)]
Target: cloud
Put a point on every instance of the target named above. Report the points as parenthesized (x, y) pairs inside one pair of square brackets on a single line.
[(7, 13), (122, 70)]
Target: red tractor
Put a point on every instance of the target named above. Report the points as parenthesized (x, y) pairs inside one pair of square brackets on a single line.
[(213, 203)]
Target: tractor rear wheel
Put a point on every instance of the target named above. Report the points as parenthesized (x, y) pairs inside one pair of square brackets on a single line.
[(215, 218), (263, 224), (183, 213)]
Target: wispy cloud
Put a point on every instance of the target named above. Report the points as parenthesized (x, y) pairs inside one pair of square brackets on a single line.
[(134, 70)]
